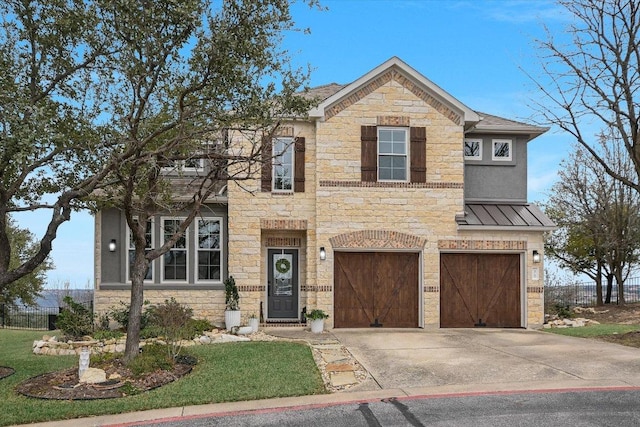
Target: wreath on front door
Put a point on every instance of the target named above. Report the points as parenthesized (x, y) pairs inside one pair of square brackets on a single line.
[(283, 265)]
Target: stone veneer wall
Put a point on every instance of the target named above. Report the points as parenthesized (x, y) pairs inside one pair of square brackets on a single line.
[(206, 304), (257, 219), (425, 211)]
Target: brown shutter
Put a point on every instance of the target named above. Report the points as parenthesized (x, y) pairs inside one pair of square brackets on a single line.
[(267, 168), (418, 154), (298, 175), (369, 153)]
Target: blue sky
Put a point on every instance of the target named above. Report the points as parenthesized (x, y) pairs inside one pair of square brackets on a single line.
[(474, 50)]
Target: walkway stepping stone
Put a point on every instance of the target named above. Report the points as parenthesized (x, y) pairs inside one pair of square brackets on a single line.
[(332, 357), (339, 367), (343, 378)]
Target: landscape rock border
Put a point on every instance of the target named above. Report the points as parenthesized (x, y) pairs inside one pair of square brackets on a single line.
[(6, 371)]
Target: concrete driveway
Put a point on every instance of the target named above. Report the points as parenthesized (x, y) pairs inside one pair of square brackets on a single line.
[(469, 360)]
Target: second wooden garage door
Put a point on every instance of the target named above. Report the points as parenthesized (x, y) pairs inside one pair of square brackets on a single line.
[(375, 289), (480, 290)]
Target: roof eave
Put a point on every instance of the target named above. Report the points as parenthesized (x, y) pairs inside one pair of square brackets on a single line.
[(535, 228)]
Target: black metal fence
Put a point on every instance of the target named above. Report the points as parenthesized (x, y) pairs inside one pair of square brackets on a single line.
[(28, 317), (584, 294)]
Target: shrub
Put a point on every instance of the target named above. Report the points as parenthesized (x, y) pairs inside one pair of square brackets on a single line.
[(231, 296), (196, 327), (76, 320), (121, 315), (105, 334), (152, 357), (172, 319)]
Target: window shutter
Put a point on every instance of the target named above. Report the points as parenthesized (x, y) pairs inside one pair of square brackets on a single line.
[(418, 136), (369, 153), (298, 175), (267, 168)]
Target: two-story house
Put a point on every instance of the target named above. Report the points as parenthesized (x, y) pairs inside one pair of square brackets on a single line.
[(392, 205)]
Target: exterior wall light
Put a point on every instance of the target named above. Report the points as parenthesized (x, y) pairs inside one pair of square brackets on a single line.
[(536, 257), (112, 245), (323, 253)]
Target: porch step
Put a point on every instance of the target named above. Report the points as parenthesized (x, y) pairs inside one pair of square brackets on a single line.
[(283, 324)]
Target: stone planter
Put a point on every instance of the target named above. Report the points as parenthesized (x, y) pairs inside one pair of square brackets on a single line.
[(317, 326), (231, 319)]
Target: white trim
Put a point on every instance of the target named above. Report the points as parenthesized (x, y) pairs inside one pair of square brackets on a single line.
[(186, 249), (197, 249), (128, 248), (290, 146), (406, 155), (493, 150), (473, 140)]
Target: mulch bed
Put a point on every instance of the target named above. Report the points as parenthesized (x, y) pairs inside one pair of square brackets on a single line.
[(64, 385), (5, 371)]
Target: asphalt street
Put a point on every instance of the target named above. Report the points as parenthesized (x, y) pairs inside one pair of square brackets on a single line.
[(573, 408)]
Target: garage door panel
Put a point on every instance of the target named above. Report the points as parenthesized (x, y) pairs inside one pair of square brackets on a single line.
[(352, 300), (458, 308), (480, 290), (376, 289)]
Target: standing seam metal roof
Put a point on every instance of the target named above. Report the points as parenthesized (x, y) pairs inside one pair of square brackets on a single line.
[(504, 215)]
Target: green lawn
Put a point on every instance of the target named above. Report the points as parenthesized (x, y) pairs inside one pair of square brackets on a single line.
[(225, 373), (593, 331)]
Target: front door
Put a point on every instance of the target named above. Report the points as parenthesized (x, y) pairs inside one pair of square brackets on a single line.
[(282, 289)]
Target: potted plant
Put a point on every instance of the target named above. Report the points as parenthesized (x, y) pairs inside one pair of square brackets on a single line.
[(231, 300), (254, 322), (316, 318)]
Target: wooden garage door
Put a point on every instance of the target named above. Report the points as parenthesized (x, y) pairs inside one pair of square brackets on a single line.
[(480, 290), (375, 289)]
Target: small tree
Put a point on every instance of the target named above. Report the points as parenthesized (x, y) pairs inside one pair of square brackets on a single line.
[(231, 296)]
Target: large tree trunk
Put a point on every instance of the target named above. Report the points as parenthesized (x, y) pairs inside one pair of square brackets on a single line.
[(138, 273), (620, 284), (609, 288), (599, 301)]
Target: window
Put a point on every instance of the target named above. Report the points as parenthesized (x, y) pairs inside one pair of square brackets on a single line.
[(392, 154), (174, 262), (148, 247), (502, 150), (283, 164), (209, 238), (473, 149)]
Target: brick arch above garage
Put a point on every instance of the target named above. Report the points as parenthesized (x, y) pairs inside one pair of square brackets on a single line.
[(377, 239)]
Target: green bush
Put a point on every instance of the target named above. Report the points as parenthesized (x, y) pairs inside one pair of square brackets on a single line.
[(172, 319), (196, 327), (152, 357), (76, 320), (121, 315), (105, 334)]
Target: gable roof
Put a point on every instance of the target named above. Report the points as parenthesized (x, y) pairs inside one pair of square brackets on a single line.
[(397, 69)]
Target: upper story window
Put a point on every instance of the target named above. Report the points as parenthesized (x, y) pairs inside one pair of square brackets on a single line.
[(175, 261), (472, 149), (502, 150), (209, 248), (392, 154), (132, 250), (283, 164)]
